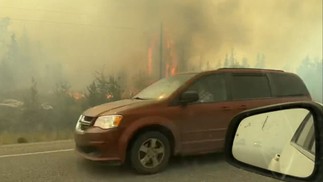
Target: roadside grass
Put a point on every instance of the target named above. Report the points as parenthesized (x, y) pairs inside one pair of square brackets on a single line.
[(14, 138)]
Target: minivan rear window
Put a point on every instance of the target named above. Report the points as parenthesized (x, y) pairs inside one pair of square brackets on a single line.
[(245, 86), (287, 85)]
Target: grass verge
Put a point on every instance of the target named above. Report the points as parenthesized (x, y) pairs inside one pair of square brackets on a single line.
[(13, 138)]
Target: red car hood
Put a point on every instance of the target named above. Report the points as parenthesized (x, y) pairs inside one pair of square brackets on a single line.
[(115, 107)]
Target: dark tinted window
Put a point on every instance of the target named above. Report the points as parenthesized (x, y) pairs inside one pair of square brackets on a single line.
[(210, 88), (288, 85), (250, 86), (304, 137)]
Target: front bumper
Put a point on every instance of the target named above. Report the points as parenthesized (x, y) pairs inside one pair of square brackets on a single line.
[(97, 144)]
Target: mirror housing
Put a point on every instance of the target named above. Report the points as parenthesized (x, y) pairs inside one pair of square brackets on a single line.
[(317, 112), (188, 97)]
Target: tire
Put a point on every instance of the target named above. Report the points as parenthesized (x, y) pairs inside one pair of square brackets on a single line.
[(150, 152)]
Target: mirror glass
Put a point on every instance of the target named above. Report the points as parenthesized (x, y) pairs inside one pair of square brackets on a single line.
[(282, 141)]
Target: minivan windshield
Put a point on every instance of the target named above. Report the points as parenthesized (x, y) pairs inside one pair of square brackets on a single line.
[(163, 88)]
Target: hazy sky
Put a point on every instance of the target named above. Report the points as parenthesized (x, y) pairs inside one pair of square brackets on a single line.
[(88, 35)]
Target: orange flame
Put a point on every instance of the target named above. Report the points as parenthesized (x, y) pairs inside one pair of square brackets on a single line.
[(173, 70), (171, 56), (109, 96), (150, 60), (169, 64), (76, 95), (167, 69)]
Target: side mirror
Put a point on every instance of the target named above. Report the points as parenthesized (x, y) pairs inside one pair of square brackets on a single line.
[(282, 141), (188, 97)]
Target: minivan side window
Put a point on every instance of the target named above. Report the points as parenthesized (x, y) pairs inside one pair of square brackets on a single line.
[(287, 85), (210, 88), (304, 137), (249, 86)]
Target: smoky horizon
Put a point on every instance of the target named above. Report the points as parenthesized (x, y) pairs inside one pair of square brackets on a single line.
[(69, 42), (157, 90)]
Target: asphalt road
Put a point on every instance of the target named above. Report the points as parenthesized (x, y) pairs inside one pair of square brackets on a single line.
[(57, 161)]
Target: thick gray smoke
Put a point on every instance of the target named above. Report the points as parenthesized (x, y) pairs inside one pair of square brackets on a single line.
[(70, 40)]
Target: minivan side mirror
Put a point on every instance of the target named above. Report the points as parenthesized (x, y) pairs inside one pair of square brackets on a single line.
[(282, 141), (188, 97)]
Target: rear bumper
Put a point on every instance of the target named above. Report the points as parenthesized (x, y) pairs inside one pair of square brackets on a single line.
[(98, 145)]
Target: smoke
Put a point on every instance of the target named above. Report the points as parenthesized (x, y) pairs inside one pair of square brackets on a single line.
[(205, 27), (71, 39), (205, 31)]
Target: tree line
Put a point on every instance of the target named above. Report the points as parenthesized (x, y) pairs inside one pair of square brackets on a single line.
[(26, 109)]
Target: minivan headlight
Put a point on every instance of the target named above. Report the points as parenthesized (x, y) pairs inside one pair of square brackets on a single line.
[(107, 122)]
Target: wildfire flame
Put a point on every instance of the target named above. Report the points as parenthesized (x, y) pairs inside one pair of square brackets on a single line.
[(173, 71), (169, 55), (76, 95), (167, 69), (109, 96), (150, 60)]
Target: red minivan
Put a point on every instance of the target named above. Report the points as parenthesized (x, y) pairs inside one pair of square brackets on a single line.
[(186, 114)]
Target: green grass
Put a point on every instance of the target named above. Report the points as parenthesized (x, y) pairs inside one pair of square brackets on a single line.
[(12, 138)]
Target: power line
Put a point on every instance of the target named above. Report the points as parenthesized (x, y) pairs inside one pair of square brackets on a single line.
[(70, 23), (43, 10)]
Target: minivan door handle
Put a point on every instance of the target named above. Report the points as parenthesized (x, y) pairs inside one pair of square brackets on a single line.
[(226, 108), (243, 106)]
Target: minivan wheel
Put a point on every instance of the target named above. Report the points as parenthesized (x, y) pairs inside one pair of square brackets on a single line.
[(150, 152)]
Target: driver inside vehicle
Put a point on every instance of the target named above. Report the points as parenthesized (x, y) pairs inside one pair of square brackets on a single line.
[(210, 89), (204, 89), (204, 92)]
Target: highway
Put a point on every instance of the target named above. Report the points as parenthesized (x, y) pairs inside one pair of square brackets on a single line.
[(57, 161)]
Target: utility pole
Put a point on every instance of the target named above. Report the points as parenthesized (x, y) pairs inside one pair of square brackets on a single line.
[(161, 52)]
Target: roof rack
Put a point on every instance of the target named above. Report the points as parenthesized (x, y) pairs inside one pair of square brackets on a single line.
[(251, 69)]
